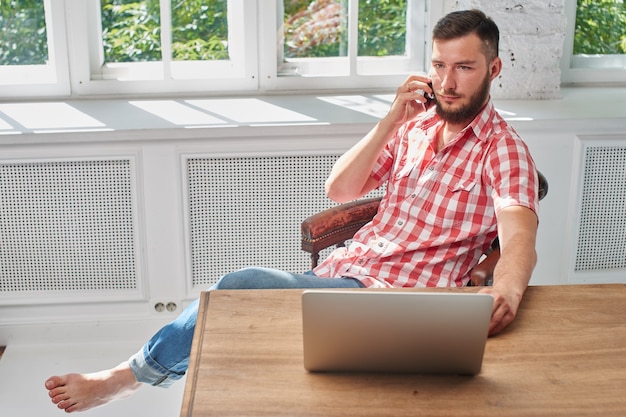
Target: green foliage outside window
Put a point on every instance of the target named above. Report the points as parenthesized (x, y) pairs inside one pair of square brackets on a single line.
[(200, 30), (314, 29), (23, 38), (382, 27), (131, 29), (319, 28), (600, 27)]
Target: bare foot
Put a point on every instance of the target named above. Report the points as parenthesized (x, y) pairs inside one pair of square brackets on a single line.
[(80, 392)]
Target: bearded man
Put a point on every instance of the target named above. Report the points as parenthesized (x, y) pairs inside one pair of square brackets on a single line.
[(457, 176)]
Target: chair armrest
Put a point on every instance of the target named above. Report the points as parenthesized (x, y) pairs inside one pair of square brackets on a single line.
[(337, 224), (482, 274), (543, 185)]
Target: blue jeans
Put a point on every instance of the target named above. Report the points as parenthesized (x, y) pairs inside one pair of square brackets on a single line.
[(165, 357)]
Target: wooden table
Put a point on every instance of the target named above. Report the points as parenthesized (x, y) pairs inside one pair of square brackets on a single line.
[(564, 355)]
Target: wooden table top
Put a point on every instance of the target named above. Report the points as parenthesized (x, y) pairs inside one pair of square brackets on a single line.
[(564, 355)]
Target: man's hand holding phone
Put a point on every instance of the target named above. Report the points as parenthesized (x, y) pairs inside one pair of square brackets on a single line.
[(427, 93), (414, 96), (430, 96)]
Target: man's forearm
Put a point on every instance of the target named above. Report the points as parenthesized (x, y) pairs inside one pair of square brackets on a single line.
[(517, 227), (350, 177), (516, 264)]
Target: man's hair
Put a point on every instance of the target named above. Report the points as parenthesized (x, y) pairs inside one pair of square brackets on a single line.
[(461, 23)]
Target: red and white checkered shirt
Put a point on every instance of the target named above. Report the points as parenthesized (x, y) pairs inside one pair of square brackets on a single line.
[(438, 214)]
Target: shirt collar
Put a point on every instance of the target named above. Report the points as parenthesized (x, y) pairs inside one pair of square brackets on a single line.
[(482, 125)]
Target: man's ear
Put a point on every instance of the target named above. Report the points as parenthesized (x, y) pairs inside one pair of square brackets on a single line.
[(495, 67)]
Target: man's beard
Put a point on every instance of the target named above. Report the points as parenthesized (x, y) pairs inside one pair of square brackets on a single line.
[(466, 113)]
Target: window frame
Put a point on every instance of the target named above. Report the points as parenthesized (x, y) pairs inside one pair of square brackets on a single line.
[(53, 78), (585, 70), (418, 26), (70, 28), (94, 77), (75, 49)]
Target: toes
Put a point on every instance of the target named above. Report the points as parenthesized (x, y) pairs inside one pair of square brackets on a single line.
[(67, 405), (53, 382), (56, 392), (72, 408), (58, 398)]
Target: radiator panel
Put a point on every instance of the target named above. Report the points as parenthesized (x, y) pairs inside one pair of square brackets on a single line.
[(67, 227), (601, 243), (246, 211)]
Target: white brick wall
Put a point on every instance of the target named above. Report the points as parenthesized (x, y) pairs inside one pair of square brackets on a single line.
[(532, 33)]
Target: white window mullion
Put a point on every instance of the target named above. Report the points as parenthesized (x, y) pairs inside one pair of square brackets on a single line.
[(94, 36), (239, 40), (270, 43), (166, 38), (353, 35), (418, 37)]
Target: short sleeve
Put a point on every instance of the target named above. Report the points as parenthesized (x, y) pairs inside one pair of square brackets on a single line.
[(512, 174)]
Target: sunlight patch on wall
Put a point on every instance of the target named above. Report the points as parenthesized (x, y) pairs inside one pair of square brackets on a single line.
[(39, 116), (177, 113), (376, 106), (251, 110)]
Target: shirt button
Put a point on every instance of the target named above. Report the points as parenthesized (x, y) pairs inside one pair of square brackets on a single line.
[(431, 167), (380, 244), (400, 222), (413, 196)]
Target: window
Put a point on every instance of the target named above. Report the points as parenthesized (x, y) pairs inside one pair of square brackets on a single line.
[(365, 41), (33, 57), (595, 48), (135, 47), (161, 46)]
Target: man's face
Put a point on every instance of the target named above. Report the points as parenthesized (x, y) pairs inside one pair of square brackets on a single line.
[(461, 78)]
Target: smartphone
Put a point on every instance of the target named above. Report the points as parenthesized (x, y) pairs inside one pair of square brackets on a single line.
[(430, 97)]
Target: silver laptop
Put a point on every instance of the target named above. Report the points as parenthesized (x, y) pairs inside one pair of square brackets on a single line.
[(395, 332)]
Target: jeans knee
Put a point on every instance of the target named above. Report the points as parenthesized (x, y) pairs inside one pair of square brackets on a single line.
[(240, 279)]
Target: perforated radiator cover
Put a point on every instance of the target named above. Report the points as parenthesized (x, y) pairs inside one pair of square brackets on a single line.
[(247, 212), (67, 226), (602, 218)]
